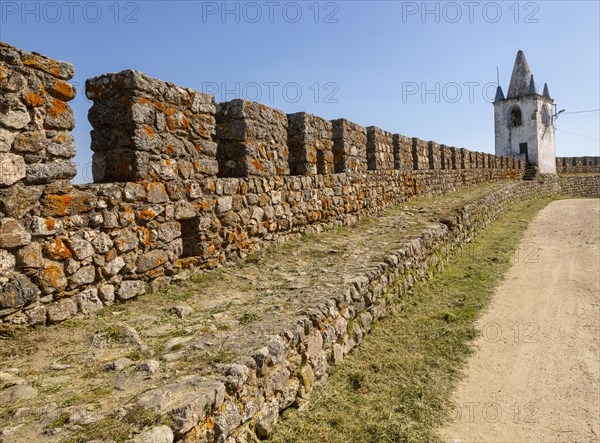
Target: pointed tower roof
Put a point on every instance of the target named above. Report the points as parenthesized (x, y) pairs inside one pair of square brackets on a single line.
[(532, 89), (499, 94), (521, 77), (546, 92)]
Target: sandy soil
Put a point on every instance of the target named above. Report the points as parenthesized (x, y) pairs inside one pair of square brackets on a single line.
[(535, 376)]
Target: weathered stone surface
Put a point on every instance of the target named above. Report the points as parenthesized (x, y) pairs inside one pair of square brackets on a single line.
[(7, 262), (52, 278), (18, 291), (106, 293), (114, 266), (56, 68), (151, 260), (130, 335), (149, 366), (57, 249), (119, 364), (12, 168), (18, 393), (185, 402), (88, 301), (45, 226), (126, 242), (62, 150), (13, 113), (182, 310), (6, 139), (169, 231), (131, 288), (48, 172), (266, 419), (75, 202), (61, 310), (29, 142), (184, 211), (13, 234), (84, 276), (30, 256), (81, 249), (156, 193), (102, 244), (18, 200), (36, 315), (158, 434)]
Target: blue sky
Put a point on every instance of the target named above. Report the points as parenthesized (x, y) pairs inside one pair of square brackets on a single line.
[(421, 69)]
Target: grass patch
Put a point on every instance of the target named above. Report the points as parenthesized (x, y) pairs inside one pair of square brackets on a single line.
[(117, 428), (397, 385), (249, 317)]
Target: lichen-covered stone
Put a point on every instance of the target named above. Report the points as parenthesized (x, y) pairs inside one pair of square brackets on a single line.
[(30, 256), (52, 278), (18, 291), (151, 260)]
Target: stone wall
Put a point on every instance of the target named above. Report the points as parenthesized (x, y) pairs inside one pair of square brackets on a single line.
[(180, 183), (577, 165), (246, 397), (580, 186)]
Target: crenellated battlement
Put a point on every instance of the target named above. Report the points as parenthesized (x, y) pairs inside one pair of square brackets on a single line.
[(181, 183)]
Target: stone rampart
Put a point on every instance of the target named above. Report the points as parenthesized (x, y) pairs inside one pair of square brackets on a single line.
[(577, 165), (181, 183)]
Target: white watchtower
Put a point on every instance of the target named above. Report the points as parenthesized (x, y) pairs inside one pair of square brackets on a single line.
[(523, 120)]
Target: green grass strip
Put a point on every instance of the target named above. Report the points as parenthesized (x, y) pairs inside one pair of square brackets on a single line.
[(397, 385)]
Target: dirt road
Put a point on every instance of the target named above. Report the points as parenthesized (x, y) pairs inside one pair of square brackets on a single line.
[(535, 376)]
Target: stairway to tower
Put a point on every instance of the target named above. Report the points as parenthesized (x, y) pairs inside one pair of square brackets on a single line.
[(531, 172)]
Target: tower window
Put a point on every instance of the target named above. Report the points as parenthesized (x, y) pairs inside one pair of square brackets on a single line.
[(514, 117)]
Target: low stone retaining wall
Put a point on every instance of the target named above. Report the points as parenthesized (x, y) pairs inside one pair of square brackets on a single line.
[(244, 403)]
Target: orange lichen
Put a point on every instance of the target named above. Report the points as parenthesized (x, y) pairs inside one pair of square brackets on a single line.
[(202, 131), (170, 111), (53, 275), (144, 101), (50, 224), (33, 100), (258, 165), (57, 250), (59, 204), (63, 90), (147, 214), (149, 131), (186, 123), (43, 64), (171, 123), (57, 107), (158, 105)]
